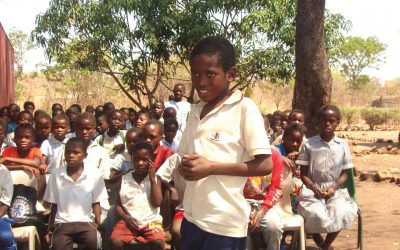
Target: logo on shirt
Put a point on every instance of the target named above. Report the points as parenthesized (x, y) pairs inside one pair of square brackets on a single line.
[(215, 137), (20, 209)]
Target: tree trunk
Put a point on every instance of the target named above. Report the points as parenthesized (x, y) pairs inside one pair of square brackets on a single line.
[(313, 84)]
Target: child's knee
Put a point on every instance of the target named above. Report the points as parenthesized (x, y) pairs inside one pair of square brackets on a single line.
[(116, 244)]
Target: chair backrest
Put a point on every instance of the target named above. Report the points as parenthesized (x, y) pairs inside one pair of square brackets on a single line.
[(350, 184), (284, 205), (24, 177)]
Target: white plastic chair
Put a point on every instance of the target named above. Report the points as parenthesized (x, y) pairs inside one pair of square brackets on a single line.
[(27, 234), (290, 221)]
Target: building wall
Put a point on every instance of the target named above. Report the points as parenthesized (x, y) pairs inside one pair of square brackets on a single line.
[(6, 69)]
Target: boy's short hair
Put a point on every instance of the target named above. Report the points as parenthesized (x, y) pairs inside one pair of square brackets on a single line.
[(56, 106), (169, 109), (180, 85), (132, 110), (80, 141), (291, 128), (26, 113), (25, 126), (327, 107), (43, 116), (146, 112), (86, 116), (137, 131), (89, 108), (296, 111), (100, 114), (116, 111), (38, 113), (60, 117), (143, 145), (169, 122), (77, 106), (109, 104), (156, 123), (29, 103), (215, 45)]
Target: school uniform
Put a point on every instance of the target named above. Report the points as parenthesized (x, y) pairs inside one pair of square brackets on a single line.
[(232, 133), (53, 149), (174, 145), (161, 154), (326, 161), (109, 142), (74, 220), (122, 162), (135, 199)]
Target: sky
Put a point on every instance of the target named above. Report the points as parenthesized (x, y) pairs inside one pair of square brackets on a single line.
[(368, 17)]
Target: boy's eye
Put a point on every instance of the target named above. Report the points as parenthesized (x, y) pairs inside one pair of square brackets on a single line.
[(211, 74), (195, 74)]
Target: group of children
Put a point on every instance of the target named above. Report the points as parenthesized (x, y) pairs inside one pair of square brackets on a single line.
[(103, 173)]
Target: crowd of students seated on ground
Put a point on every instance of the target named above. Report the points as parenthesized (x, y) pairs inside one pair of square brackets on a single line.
[(100, 173)]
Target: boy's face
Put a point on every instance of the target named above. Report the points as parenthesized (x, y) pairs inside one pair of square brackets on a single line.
[(85, 129), (328, 122), (43, 128), (132, 117), (29, 108), (297, 118), (170, 132), (141, 121), (141, 159), (24, 139), (60, 129), (25, 119), (158, 109), (152, 135), (126, 114), (179, 92), (101, 124), (277, 126), (292, 142), (209, 78), (13, 112), (116, 120), (131, 139), (74, 154)]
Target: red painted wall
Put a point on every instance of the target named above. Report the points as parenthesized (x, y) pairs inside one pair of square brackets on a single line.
[(6, 69)]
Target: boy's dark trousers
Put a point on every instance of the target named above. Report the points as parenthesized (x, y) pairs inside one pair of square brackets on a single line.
[(82, 233)]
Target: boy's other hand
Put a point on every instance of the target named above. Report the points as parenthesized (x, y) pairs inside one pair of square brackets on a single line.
[(195, 167), (152, 171), (133, 224), (255, 222), (289, 163), (34, 171)]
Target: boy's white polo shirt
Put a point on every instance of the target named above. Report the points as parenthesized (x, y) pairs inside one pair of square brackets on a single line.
[(74, 199), (97, 156), (6, 186), (54, 150), (232, 133)]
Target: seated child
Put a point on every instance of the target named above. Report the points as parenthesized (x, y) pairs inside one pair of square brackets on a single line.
[(6, 194), (263, 193), (75, 192), (53, 148), (122, 162), (139, 197), (324, 161), (101, 123), (170, 130), (113, 136), (152, 133), (143, 116), (24, 117), (42, 129)]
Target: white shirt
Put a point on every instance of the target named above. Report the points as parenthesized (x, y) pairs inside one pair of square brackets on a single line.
[(6, 186), (135, 198), (97, 156), (174, 145), (54, 150), (74, 199), (182, 111), (169, 171), (122, 162), (231, 133), (109, 142)]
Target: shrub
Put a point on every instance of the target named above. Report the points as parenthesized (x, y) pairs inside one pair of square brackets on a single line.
[(377, 116), (350, 114)]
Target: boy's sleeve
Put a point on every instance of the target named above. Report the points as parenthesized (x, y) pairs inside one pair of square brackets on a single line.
[(8, 152), (117, 163), (36, 153), (304, 156), (274, 191), (99, 190), (255, 137), (45, 148), (51, 193), (6, 186), (167, 168), (105, 165), (347, 162)]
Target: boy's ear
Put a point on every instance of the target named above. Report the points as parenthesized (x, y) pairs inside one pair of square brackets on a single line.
[(232, 72)]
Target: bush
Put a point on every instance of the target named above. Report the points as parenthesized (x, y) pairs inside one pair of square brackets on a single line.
[(350, 114), (377, 116)]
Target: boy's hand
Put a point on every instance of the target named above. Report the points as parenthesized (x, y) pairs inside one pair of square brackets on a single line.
[(3, 159), (34, 171), (47, 238), (330, 191), (255, 223), (289, 163), (195, 167), (43, 168), (133, 224), (318, 193), (152, 170), (119, 149), (292, 156)]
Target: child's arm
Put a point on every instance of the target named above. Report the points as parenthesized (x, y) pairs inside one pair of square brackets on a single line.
[(195, 167), (340, 181), (174, 196), (115, 175), (3, 209), (35, 162), (97, 213), (11, 166), (155, 187), (50, 227), (309, 183)]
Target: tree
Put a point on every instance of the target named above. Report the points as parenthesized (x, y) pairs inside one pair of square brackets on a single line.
[(357, 54), (313, 83), (141, 44), (21, 44)]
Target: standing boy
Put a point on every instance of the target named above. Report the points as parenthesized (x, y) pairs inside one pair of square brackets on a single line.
[(224, 141)]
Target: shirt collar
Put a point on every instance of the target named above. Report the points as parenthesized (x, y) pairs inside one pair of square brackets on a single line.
[(53, 139), (235, 97), (334, 139), (66, 176)]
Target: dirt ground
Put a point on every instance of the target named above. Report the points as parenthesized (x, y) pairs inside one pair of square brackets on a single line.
[(379, 202)]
